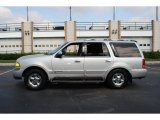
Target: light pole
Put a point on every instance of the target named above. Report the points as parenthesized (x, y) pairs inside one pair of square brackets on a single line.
[(27, 15), (156, 13), (70, 13), (114, 13)]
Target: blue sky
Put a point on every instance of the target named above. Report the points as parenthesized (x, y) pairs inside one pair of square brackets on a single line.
[(80, 14)]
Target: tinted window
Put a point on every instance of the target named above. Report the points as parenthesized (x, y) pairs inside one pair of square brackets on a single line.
[(97, 49), (125, 50), (73, 49)]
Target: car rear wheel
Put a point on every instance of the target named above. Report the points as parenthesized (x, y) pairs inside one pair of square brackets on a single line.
[(117, 78), (35, 79)]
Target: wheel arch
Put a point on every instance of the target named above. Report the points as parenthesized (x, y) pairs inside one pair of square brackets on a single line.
[(34, 67), (128, 72)]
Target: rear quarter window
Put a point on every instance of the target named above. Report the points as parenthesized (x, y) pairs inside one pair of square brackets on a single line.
[(125, 49)]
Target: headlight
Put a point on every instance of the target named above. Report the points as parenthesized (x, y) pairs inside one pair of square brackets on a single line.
[(17, 64)]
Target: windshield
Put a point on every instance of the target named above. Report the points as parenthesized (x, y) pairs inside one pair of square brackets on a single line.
[(56, 49)]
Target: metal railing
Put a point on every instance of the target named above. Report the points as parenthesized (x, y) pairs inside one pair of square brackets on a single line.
[(92, 25), (50, 26), (10, 27), (136, 26)]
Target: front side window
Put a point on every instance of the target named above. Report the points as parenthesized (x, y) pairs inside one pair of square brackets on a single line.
[(97, 49), (73, 49), (125, 49)]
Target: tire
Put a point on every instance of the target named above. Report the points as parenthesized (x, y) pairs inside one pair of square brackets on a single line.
[(35, 79), (117, 78)]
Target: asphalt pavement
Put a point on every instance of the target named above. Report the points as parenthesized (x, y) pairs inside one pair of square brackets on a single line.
[(142, 96)]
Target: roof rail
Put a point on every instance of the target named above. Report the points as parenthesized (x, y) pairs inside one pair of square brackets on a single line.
[(90, 39), (107, 39), (133, 40)]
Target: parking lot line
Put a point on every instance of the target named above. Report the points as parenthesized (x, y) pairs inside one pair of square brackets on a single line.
[(6, 72), (154, 68)]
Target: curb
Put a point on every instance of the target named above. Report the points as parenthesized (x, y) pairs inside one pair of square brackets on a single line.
[(7, 64), (152, 62), (13, 64)]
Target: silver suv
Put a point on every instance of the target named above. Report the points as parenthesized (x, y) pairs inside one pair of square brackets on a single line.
[(112, 62)]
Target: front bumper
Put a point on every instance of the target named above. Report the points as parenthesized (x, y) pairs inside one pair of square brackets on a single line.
[(17, 73)]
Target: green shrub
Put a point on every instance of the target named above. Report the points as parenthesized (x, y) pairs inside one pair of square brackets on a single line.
[(152, 55), (13, 56)]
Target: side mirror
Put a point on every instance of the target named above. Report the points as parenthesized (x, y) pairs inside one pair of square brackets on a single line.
[(59, 54)]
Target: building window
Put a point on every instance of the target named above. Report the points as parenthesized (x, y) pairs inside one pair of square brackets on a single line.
[(17, 45), (35, 45), (148, 44), (6, 45), (13, 45), (39, 45), (51, 45), (144, 44), (140, 44), (20, 45), (55, 45), (9, 45), (47, 45), (2, 45), (43, 45)]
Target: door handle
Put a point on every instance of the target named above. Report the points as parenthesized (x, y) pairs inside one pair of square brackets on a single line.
[(108, 60), (77, 61)]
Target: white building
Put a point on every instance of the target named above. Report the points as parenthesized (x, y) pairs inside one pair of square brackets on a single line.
[(42, 37)]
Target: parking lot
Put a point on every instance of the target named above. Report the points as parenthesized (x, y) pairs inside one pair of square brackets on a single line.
[(142, 96)]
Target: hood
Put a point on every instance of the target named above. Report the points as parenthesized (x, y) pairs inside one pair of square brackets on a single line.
[(30, 56)]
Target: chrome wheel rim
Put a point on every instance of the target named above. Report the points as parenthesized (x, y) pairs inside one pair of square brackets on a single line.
[(118, 79), (34, 80)]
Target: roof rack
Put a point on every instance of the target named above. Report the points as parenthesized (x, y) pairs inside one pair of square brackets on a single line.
[(107, 39), (133, 40), (91, 39)]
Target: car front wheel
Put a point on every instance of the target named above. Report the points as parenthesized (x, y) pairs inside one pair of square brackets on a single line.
[(35, 79)]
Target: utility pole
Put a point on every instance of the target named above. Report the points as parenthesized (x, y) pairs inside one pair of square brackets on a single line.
[(70, 13), (27, 15), (157, 13), (114, 13)]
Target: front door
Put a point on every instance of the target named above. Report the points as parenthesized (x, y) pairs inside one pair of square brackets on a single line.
[(70, 65)]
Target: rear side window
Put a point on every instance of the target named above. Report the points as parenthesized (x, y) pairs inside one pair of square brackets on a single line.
[(97, 49), (125, 50)]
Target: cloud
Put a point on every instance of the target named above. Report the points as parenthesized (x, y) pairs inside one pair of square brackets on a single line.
[(7, 16), (36, 17), (95, 10), (139, 14), (138, 19)]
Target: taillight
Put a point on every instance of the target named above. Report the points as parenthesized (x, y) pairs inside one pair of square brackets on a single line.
[(143, 64)]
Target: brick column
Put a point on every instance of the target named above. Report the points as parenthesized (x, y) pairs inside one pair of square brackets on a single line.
[(114, 29), (155, 35), (70, 31), (27, 37)]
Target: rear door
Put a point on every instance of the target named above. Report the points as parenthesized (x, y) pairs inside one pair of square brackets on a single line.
[(97, 60)]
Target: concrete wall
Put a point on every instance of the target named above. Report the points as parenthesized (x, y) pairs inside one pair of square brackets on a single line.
[(27, 42), (46, 44), (8, 45)]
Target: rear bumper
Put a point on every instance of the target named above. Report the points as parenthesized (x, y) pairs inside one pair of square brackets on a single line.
[(139, 73)]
